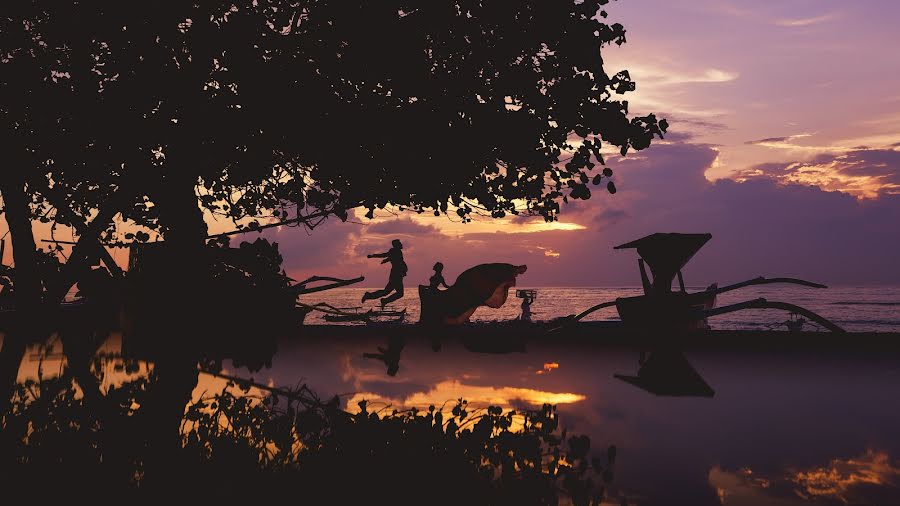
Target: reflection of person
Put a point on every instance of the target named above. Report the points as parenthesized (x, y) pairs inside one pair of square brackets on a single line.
[(438, 279), (395, 280), (390, 355)]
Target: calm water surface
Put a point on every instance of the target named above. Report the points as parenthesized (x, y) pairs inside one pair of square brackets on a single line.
[(857, 309), (780, 428)]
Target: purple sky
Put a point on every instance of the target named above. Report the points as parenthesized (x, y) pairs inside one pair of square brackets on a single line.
[(784, 144)]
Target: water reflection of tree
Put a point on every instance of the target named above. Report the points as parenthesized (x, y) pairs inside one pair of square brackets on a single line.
[(237, 444)]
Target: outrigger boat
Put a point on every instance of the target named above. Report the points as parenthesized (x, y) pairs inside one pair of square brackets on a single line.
[(662, 308), (385, 315)]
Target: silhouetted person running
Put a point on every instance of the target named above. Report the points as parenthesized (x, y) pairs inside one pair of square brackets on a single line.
[(395, 281), (438, 279)]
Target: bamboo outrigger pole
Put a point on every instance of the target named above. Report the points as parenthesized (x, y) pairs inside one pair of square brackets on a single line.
[(762, 303), (765, 281), (301, 289)]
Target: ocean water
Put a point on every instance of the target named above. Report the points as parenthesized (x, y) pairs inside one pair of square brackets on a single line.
[(856, 309)]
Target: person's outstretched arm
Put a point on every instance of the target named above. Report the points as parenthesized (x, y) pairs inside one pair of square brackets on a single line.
[(378, 255)]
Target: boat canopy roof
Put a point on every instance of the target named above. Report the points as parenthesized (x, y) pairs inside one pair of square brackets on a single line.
[(667, 253), (669, 374)]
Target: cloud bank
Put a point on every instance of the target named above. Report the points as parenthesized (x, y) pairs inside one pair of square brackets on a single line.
[(778, 220)]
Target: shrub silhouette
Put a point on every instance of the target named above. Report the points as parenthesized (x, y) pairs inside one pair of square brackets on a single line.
[(237, 444)]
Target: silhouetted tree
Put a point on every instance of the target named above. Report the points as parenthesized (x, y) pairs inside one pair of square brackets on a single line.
[(312, 108), (26, 86)]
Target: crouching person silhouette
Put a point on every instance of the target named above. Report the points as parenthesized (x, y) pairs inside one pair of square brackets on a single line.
[(394, 256)]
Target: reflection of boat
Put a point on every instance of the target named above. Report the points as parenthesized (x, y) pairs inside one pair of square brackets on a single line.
[(661, 308), (668, 373)]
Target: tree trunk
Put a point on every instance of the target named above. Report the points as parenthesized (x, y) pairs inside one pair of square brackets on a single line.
[(27, 282), (177, 319), (27, 287), (86, 248), (185, 234)]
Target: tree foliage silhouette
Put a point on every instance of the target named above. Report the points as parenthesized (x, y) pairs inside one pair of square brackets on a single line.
[(305, 109)]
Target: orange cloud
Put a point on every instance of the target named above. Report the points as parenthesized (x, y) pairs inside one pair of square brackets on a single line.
[(449, 390), (847, 481), (837, 480)]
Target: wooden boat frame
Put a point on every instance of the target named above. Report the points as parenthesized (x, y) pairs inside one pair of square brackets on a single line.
[(661, 308)]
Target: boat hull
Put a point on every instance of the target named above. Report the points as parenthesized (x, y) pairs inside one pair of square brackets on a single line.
[(670, 311)]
